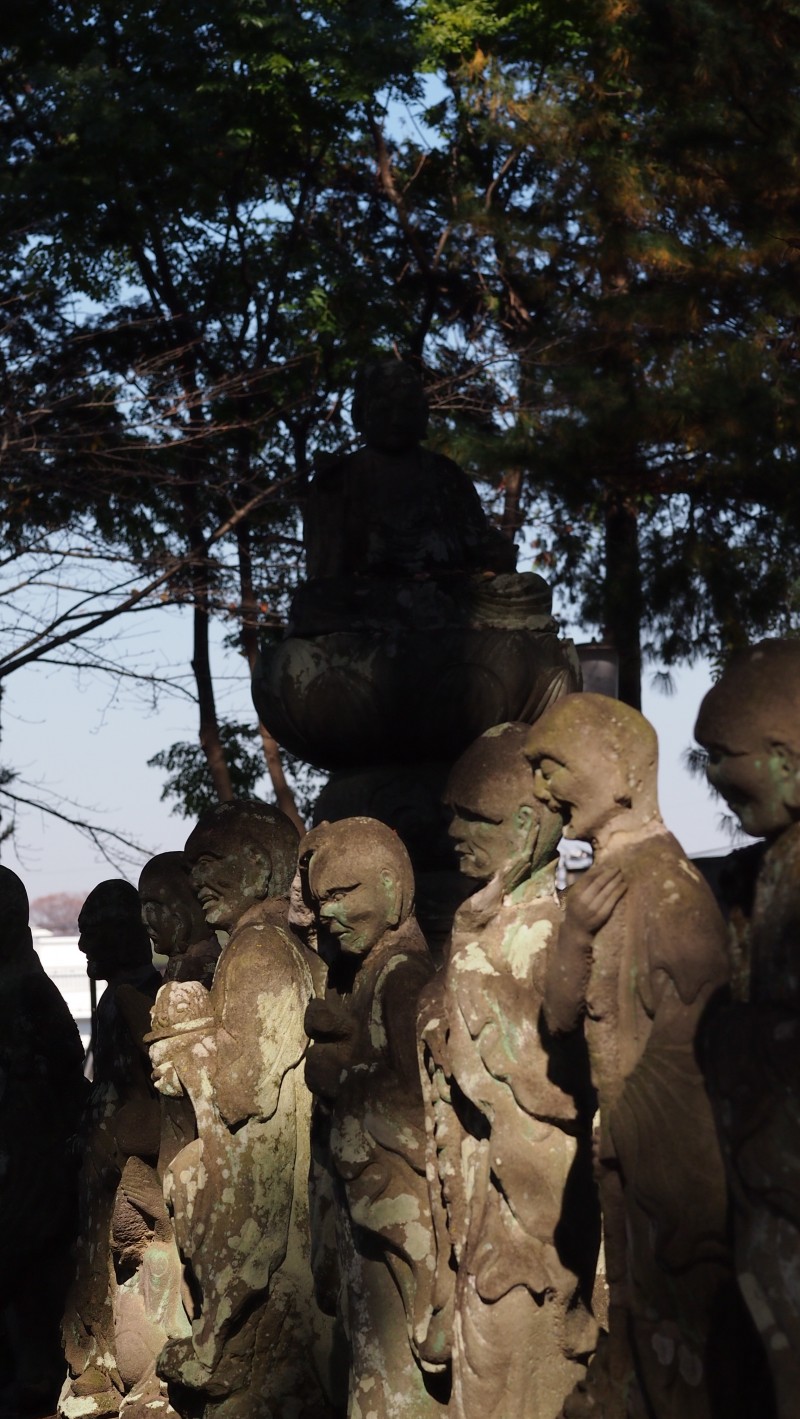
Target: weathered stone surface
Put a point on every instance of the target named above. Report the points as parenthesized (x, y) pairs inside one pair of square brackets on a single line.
[(641, 953), (237, 1193), (369, 1178), (509, 1108), (41, 1095), (748, 724), (121, 1121)]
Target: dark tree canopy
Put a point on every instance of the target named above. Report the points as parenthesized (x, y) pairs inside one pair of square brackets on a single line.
[(581, 222)]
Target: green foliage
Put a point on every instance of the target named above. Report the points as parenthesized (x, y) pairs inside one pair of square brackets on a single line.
[(189, 784)]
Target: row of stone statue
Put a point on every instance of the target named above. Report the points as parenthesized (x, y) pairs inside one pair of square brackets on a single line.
[(559, 1176)]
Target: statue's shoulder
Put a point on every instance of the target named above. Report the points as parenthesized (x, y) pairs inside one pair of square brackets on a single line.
[(262, 946), (332, 471)]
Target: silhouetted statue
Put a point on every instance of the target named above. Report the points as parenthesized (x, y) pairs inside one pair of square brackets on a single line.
[(749, 725), (413, 632), (509, 1106), (369, 1123), (41, 1094), (238, 1193), (641, 952), (394, 508), (121, 1121)]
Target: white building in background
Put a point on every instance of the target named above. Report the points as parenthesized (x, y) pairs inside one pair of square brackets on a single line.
[(66, 967)]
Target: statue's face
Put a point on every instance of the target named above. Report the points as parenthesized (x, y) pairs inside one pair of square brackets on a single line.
[(104, 940), (357, 914), (582, 794), (486, 846), (394, 412), (757, 780), (227, 878), (166, 919)]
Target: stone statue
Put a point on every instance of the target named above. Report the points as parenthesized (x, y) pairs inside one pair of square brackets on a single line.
[(174, 919), (147, 1301), (41, 1095), (394, 507), (509, 1106), (749, 725), (369, 1126), (413, 632), (121, 1122), (238, 1193), (641, 953)]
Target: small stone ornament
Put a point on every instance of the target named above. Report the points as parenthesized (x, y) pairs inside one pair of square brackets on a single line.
[(509, 1107), (368, 1125)]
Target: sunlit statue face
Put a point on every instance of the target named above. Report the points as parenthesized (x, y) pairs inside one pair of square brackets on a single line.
[(595, 763), (497, 827), (356, 913), (227, 878), (579, 793)]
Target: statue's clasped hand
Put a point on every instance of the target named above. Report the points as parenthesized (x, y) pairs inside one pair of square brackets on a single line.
[(591, 901), (327, 1021)]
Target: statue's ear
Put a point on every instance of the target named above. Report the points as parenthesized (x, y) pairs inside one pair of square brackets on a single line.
[(392, 891), (259, 871), (528, 823), (786, 767)]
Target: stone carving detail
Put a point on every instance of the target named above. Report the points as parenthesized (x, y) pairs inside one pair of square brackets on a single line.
[(509, 1107), (237, 1193), (748, 724), (368, 1125), (41, 1095), (413, 633), (640, 954), (120, 1124)]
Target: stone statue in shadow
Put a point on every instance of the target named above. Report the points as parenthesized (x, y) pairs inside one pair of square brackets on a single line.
[(413, 632), (509, 1107), (749, 725), (148, 1298), (120, 1123), (42, 1092), (237, 1194), (174, 918), (641, 952), (369, 1122)]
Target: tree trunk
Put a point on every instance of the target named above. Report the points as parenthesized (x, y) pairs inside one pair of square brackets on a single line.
[(513, 516), (209, 724), (623, 593), (284, 797)]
